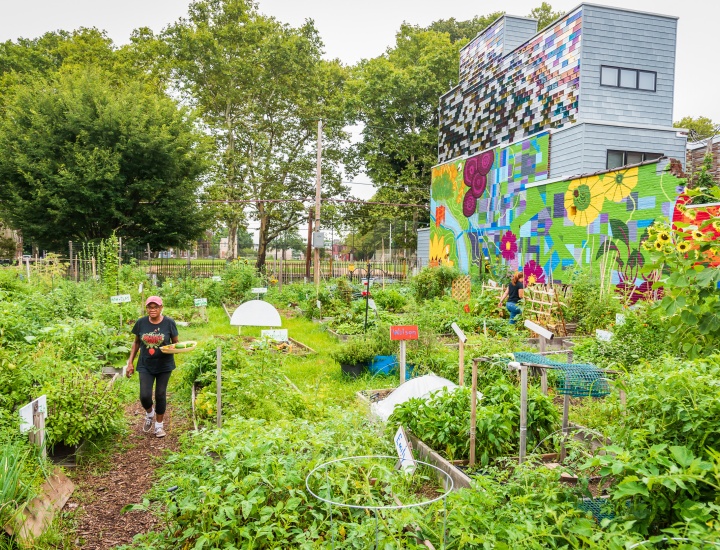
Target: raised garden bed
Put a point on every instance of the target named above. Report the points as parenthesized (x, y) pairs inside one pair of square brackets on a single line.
[(292, 346)]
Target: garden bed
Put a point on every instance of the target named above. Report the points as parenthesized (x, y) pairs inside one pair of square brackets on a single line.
[(292, 346)]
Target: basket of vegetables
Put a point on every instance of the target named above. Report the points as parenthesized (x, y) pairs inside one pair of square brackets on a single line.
[(180, 347)]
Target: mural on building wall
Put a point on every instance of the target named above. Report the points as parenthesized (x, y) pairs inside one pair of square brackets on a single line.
[(533, 88), (549, 230), (689, 219)]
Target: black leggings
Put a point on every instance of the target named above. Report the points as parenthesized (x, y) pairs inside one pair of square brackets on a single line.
[(146, 385)]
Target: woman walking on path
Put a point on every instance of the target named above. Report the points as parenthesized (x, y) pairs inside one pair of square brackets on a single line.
[(154, 366), (514, 293)]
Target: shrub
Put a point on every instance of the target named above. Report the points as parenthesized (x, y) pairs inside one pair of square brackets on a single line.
[(591, 305), (433, 282)]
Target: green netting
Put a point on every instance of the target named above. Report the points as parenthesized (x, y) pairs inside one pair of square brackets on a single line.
[(578, 379), (600, 508)]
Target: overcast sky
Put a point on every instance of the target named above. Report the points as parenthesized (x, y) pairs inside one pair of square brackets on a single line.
[(361, 29)]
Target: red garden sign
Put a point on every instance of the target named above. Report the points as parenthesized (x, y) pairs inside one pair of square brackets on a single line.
[(404, 332)]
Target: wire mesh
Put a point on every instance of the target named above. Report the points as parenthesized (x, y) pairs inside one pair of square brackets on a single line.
[(600, 508), (578, 379)]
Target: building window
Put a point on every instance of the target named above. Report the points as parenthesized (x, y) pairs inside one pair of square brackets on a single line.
[(632, 79), (616, 159)]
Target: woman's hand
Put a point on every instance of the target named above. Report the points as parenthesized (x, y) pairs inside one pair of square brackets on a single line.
[(129, 369)]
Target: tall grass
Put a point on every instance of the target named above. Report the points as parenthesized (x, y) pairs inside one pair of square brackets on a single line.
[(14, 494)]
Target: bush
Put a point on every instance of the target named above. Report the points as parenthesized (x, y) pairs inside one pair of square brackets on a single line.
[(356, 351), (433, 282), (591, 306)]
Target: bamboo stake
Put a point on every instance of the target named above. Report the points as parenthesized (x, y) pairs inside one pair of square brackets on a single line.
[(461, 350), (473, 411), (523, 411), (218, 386)]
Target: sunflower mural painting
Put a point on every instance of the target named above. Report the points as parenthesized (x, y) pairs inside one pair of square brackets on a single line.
[(439, 252), (548, 230)]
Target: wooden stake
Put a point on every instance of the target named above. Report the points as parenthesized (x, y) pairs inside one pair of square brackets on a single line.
[(565, 425), (37, 435), (461, 350), (523, 411), (402, 361), (218, 387), (473, 411)]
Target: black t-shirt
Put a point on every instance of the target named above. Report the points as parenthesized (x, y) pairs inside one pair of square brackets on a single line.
[(153, 336), (514, 292)]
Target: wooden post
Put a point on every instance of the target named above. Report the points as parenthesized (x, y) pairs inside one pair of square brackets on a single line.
[(473, 411), (280, 269), (27, 268), (543, 381), (37, 435), (72, 265), (94, 268), (542, 344), (523, 411), (565, 425), (402, 361), (218, 387), (461, 353)]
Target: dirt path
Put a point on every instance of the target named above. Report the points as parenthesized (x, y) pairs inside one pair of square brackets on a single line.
[(99, 498)]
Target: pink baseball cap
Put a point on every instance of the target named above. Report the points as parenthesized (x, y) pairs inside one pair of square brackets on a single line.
[(154, 300)]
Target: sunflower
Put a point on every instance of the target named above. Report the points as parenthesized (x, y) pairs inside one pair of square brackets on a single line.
[(439, 252), (716, 225), (619, 184), (659, 245), (584, 199), (664, 236), (698, 235), (683, 247)]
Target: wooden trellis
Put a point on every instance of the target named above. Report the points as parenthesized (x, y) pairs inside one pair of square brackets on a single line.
[(543, 303), (461, 288)]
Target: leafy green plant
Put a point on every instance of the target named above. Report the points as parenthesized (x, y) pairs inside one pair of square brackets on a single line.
[(433, 282), (589, 304), (356, 351), (691, 303), (15, 492)]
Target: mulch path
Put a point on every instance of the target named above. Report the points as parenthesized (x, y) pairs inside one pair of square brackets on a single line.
[(99, 498)]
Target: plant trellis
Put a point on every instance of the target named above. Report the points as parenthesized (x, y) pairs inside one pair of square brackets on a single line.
[(579, 380)]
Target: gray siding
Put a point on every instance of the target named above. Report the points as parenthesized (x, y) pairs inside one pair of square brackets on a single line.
[(635, 41), (566, 151), (582, 148), (423, 247), (518, 30)]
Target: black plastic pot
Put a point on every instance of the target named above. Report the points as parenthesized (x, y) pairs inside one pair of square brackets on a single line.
[(353, 371)]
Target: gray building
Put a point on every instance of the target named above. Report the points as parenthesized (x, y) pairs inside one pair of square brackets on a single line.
[(600, 79)]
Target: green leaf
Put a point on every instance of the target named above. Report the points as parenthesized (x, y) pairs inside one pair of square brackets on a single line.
[(683, 455), (620, 231)]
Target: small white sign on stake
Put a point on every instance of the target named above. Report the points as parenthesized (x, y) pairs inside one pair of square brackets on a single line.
[(619, 318), (26, 413), (120, 299), (216, 278), (279, 335), (261, 290), (459, 332), (603, 335), (371, 304), (140, 288), (200, 302), (407, 463)]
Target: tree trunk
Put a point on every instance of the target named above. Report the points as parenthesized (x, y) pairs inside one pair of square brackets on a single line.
[(232, 241), (262, 239)]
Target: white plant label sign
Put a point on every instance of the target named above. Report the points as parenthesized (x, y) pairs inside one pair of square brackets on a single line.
[(200, 302), (371, 304), (26, 413), (407, 463), (279, 335), (459, 332), (603, 335), (140, 288), (120, 299), (216, 278), (262, 290)]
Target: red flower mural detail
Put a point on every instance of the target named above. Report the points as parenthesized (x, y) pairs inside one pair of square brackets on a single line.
[(533, 273), (439, 216), (508, 245)]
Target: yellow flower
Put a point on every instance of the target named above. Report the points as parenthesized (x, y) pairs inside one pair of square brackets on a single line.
[(659, 245), (664, 237), (716, 225), (439, 252), (683, 247), (584, 200), (620, 184), (698, 235)]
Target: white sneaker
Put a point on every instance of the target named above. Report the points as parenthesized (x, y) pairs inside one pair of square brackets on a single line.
[(159, 432), (147, 426)]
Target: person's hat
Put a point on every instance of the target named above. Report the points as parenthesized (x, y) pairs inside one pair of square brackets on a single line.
[(153, 300)]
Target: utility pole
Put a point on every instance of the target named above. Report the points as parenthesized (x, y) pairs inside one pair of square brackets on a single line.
[(317, 203)]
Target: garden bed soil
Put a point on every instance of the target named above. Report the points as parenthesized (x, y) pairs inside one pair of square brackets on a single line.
[(100, 497), (371, 396)]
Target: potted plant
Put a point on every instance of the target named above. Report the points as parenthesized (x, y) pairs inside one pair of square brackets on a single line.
[(354, 356)]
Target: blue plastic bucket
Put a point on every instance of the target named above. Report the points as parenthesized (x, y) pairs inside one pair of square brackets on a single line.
[(387, 365)]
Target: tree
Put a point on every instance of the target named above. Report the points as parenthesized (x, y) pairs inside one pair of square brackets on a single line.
[(260, 87), (544, 15), (81, 157), (396, 96), (700, 128)]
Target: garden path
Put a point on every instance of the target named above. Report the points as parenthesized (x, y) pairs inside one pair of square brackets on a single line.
[(100, 497)]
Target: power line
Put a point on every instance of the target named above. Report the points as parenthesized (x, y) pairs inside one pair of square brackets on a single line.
[(253, 201)]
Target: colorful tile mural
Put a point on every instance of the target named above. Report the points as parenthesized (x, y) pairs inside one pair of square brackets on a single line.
[(505, 96), (548, 230)]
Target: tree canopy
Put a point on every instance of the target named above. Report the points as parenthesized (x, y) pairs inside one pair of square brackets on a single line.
[(81, 157), (700, 127), (260, 86)]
